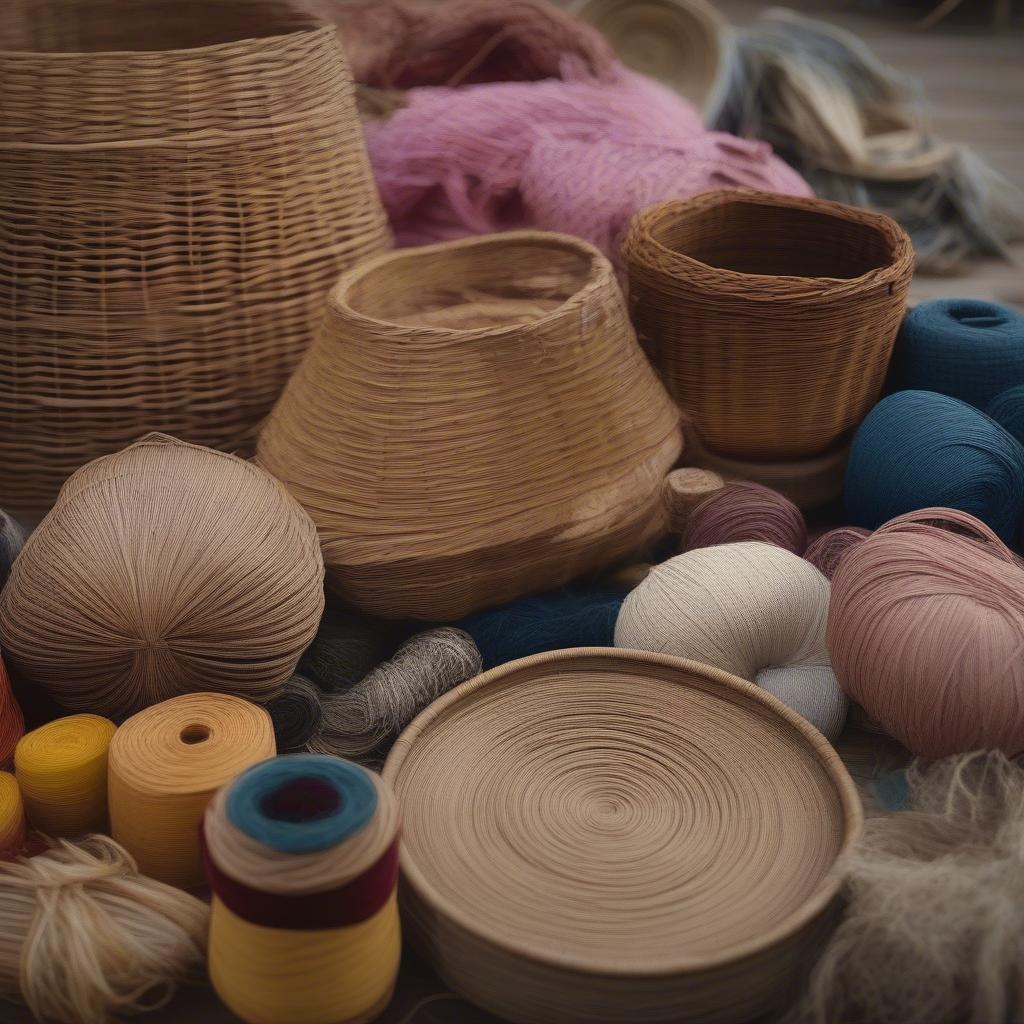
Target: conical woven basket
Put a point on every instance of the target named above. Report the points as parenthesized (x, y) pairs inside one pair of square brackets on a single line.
[(474, 421), (570, 857), (770, 318), (180, 183)]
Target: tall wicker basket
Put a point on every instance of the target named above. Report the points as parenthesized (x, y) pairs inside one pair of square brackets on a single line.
[(770, 318), (475, 421), (180, 183)]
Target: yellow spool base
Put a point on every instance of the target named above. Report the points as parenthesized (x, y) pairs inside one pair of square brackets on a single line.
[(283, 976)]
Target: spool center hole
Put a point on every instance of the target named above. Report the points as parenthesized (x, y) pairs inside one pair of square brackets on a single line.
[(301, 800), (195, 734)]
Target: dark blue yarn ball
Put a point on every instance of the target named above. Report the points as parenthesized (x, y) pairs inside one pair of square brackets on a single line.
[(965, 348), (1007, 409), (547, 622), (918, 449)]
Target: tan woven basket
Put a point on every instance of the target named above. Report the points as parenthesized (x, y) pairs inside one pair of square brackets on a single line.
[(568, 857), (475, 421), (180, 183), (770, 318)]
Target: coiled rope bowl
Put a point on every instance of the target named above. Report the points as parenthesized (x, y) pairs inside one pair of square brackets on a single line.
[(571, 858)]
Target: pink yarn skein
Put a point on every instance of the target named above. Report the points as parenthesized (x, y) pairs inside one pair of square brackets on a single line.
[(570, 154)]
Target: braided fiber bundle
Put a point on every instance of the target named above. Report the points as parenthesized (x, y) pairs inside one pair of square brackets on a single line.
[(475, 421), (61, 769), (680, 42), (568, 857), (165, 765), (919, 449), (789, 308), (84, 938), (753, 610), (302, 857), (296, 713), (171, 217), (745, 511), (12, 817), (827, 551), (1007, 409), (396, 45), (496, 156), (356, 723), (925, 632), (164, 569), (12, 722), (965, 348), (933, 928)]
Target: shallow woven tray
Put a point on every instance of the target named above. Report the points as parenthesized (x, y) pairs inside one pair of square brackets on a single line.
[(770, 318), (181, 183), (475, 421), (594, 836)]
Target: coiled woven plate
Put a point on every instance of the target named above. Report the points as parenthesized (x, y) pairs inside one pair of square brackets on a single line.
[(612, 836)]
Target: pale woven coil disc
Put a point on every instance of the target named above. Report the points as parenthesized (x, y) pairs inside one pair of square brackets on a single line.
[(164, 569), (571, 856)]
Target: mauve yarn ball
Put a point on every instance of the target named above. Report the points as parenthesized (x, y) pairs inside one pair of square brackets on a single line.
[(746, 511), (827, 551)]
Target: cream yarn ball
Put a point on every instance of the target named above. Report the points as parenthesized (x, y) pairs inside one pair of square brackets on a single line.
[(751, 609)]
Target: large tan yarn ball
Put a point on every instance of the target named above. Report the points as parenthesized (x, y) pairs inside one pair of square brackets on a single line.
[(751, 609), (164, 569)]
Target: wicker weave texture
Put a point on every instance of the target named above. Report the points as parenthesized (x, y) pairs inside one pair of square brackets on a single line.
[(180, 183), (475, 421), (770, 318)]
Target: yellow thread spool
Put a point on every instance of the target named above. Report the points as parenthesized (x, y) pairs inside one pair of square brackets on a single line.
[(61, 768), (12, 816), (166, 763), (302, 853)]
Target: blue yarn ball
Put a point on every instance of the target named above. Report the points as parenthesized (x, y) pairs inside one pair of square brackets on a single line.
[(965, 348), (1007, 409), (547, 622), (918, 449)]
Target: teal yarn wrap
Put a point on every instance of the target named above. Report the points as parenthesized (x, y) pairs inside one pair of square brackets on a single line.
[(1007, 409), (964, 348), (919, 449)]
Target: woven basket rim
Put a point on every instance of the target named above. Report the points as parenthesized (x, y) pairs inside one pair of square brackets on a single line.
[(312, 26), (598, 274), (814, 288), (827, 890)]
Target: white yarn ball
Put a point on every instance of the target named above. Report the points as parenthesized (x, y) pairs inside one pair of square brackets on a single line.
[(751, 609)]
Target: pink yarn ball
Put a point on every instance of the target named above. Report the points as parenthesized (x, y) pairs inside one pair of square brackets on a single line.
[(827, 551), (926, 633), (746, 511), (572, 154)]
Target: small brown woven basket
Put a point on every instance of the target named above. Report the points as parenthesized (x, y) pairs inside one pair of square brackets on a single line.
[(770, 318), (571, 857), (180, 183), (475, 421)]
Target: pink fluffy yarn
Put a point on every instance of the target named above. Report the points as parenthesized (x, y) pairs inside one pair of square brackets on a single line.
[(570, 154)]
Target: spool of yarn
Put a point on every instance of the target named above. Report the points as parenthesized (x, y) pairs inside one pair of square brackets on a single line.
[(899, 953), (12, 722), (428, 664), (164, 569), (548, 622), (347, 646), (302, 857), (12, 816), (966, 348), (685, 489), (918, 449), (925, 631), (165, 765), (495, 156), (826, 552), (62, 771), (12, 540), (745, 511), (751, 609), (296, 714), (1007, 409), (86, 938)]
